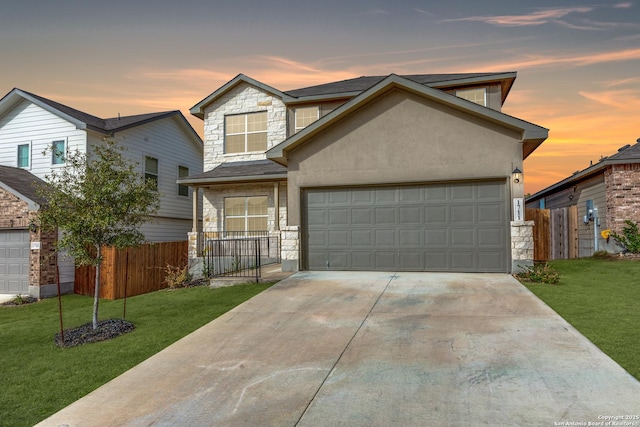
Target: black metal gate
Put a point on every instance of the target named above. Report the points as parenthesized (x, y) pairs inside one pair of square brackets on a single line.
[(239, 256)]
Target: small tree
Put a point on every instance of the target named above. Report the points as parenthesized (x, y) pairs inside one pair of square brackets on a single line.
[(97, 200), (630, 237)]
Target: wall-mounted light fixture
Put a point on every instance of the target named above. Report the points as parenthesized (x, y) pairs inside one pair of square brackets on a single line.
[(517, 175), (33, 227)]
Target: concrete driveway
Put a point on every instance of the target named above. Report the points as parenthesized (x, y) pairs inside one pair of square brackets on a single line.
[(372, 349)]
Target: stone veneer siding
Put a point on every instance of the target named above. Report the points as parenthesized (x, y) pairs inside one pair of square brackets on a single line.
[(521, 245), (213, 203), (622, 194), (290, 248), (243, 98)]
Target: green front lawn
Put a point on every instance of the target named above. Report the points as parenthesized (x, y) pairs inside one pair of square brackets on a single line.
[(601, 299), (37, 378)]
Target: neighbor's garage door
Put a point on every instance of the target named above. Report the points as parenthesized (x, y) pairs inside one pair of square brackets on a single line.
[(14, 261), (433, 227)]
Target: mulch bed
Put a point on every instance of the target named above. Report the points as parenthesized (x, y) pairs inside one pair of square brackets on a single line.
[(85, 334), (21, 301)]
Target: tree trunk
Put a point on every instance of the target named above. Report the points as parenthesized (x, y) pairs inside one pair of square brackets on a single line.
[(96, 296)]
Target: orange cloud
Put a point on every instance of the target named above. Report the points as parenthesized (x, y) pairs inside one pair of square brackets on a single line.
[(536, 18)]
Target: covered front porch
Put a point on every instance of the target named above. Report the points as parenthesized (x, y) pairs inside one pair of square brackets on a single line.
[(242, 202)]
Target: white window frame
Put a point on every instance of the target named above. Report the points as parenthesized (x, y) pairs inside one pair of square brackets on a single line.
[(63, 160), (151, 175), (245, 132), (297, 127), (462, 92), (182, 186), (246, 215), (28, 166)]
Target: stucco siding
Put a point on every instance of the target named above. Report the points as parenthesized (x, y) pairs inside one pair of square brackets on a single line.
[(403, 138), (27, 123)]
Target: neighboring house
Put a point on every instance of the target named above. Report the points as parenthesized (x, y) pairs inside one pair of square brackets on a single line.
[(391, 173), (610, 188), (163, 144)]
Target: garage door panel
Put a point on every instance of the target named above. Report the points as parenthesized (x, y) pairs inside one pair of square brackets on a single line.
[(362, 238), (436, 215), (385, 238), (363, 260), (339, 260), (411, 260), (490, 191), (339, 216), (386, 260), (410, 238), (491, 213), (385, 215), (436, 238), (410, 215), (434, 227), (461, 192), (463, 261), (14, 261), (361, 216), (488, 260), (317, 217), (339, 239), (463, 237), (411, 195), (436, 261), (463, 213), (490, 237)]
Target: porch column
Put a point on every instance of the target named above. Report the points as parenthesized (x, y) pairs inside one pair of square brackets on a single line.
[(195, 209), (276, 205)]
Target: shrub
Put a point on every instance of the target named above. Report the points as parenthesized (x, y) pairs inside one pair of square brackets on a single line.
[(177, 277), (630, 237), (539, 273)]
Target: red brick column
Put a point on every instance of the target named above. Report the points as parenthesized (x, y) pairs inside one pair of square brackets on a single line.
[(622, 194)]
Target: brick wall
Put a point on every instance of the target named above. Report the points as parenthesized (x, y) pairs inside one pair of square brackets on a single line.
[(14, 213), (622, 194)]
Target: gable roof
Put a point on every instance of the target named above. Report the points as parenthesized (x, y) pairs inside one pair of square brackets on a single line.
[(22, 184), (83, 120), (625, 155), (532, 135), (252, 170), (198, 109), (353, 87)]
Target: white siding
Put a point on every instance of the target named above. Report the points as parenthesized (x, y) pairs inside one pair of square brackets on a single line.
[(166, 141), (167, 230), (29, 124)]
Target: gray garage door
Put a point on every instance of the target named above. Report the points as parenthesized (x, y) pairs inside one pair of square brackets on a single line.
[(14, 261), (433, 227)]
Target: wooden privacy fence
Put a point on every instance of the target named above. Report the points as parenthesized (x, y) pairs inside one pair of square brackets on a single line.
[(131, 271), (555, 232)]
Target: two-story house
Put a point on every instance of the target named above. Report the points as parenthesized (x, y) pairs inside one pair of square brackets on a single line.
[(163, 144), (392, 173)]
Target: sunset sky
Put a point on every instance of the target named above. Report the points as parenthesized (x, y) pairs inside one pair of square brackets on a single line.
[(578, 63)]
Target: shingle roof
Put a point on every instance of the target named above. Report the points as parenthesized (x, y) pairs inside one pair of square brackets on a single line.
[(249, 170), (96, 123), (626, 154), (363, 83), (22, 181)]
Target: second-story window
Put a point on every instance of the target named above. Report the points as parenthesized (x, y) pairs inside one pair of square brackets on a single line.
[(305, 116), (151, 169), (477, 95), (245, 133), (57, 153), (24, 155)]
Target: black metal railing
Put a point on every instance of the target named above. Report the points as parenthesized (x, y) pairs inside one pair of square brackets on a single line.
[(239, 254)]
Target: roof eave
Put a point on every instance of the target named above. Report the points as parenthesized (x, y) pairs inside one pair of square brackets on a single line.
[(198, 109), (232, 179), (530, 131), (10, 98)]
